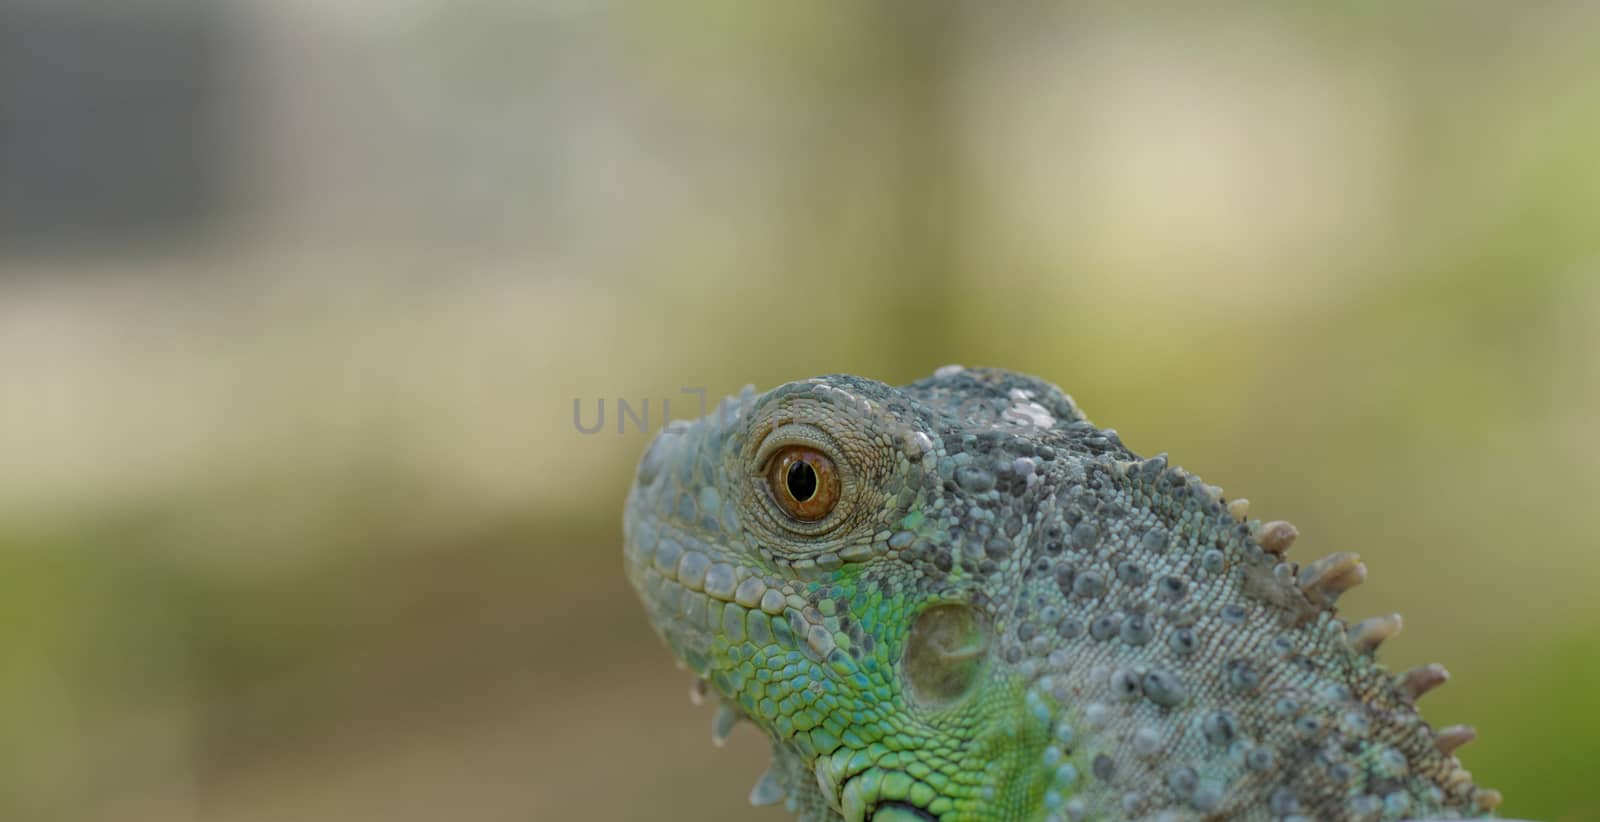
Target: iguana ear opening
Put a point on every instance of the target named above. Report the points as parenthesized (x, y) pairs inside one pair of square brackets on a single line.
[(945, 654)]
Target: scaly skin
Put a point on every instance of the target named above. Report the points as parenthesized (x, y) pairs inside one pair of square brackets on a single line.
[(1008, 615)]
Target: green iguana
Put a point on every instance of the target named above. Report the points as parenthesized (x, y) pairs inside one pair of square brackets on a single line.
[(961, 600)]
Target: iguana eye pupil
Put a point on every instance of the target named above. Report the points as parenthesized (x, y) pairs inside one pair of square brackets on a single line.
[(803, 482)]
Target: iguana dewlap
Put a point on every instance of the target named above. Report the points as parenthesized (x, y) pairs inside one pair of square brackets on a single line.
[(960, 599)]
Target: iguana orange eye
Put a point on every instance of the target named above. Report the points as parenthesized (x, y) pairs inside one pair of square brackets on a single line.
[(803, 482)]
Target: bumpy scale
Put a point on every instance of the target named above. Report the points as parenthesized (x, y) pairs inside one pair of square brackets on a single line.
[(1001, 613)]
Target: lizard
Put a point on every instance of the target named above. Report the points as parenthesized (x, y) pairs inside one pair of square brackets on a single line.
[(959, 599)]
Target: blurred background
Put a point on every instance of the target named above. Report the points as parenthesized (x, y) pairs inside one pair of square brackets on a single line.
[(297, 298)]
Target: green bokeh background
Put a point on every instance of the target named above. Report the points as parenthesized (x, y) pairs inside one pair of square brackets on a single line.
[(295, 522)]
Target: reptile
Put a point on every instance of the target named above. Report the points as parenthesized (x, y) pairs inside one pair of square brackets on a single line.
[(961, 600)]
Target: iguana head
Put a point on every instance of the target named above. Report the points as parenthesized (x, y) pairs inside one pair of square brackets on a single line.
[(962, 600)]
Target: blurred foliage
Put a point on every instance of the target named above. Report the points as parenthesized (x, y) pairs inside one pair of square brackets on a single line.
[(296, 524)]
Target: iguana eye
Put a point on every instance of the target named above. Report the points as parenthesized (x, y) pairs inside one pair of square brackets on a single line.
[(803, 482)]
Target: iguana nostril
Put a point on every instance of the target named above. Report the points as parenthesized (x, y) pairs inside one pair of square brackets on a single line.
[(945, 654)]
